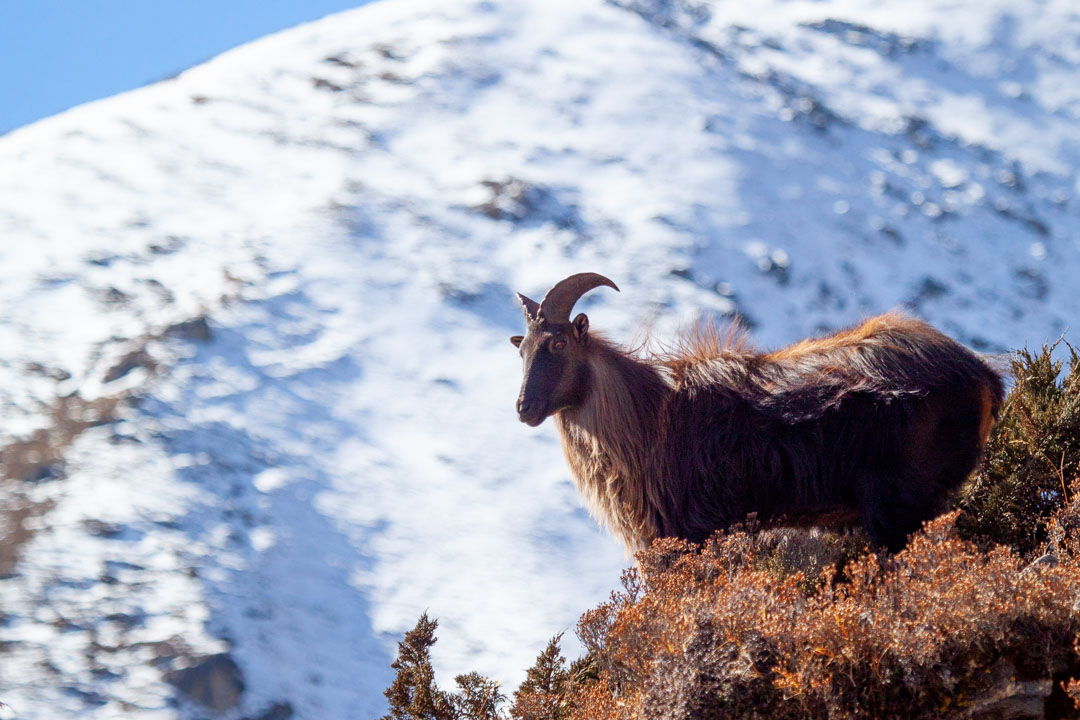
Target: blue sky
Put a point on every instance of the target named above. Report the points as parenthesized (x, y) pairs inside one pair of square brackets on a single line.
[(55, 54)]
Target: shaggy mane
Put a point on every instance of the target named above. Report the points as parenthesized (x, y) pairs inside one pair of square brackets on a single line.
[(704, 342)]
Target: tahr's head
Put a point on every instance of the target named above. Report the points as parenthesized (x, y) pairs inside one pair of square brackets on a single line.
[(554, 349)]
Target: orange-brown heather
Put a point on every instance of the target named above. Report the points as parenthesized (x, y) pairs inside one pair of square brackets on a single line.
[(792, 625), (942, 629)]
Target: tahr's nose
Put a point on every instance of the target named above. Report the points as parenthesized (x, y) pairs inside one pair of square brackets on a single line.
[(522, 407)]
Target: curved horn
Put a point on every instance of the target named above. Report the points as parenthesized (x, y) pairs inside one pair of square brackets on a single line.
[(559, 301), (530, 308)]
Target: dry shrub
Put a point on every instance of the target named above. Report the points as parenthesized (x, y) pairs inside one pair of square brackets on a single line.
[(545, 694), (1072, 687), (477, 698), (943, 629), (414, 695), (931, 632)]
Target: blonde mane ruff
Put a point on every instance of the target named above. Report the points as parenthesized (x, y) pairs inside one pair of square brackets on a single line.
[(608, 440), (705, 341)]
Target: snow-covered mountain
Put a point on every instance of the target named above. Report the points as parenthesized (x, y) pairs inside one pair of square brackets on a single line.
[(256, 386)]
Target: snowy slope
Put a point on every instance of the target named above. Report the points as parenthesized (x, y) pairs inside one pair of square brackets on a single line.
[(349, 207)]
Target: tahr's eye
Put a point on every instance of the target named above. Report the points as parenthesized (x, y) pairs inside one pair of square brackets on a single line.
[(560, 344)]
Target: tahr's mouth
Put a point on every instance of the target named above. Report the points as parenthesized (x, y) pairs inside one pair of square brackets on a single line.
[(532, 418)]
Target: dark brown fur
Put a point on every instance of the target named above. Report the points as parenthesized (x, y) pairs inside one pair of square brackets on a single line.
[(881, 422)]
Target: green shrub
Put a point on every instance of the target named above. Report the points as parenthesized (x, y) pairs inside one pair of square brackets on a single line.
[(1032, 458)]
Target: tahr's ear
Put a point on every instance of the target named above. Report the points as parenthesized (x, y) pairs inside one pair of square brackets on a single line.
[(581, 326), (516, 340)]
